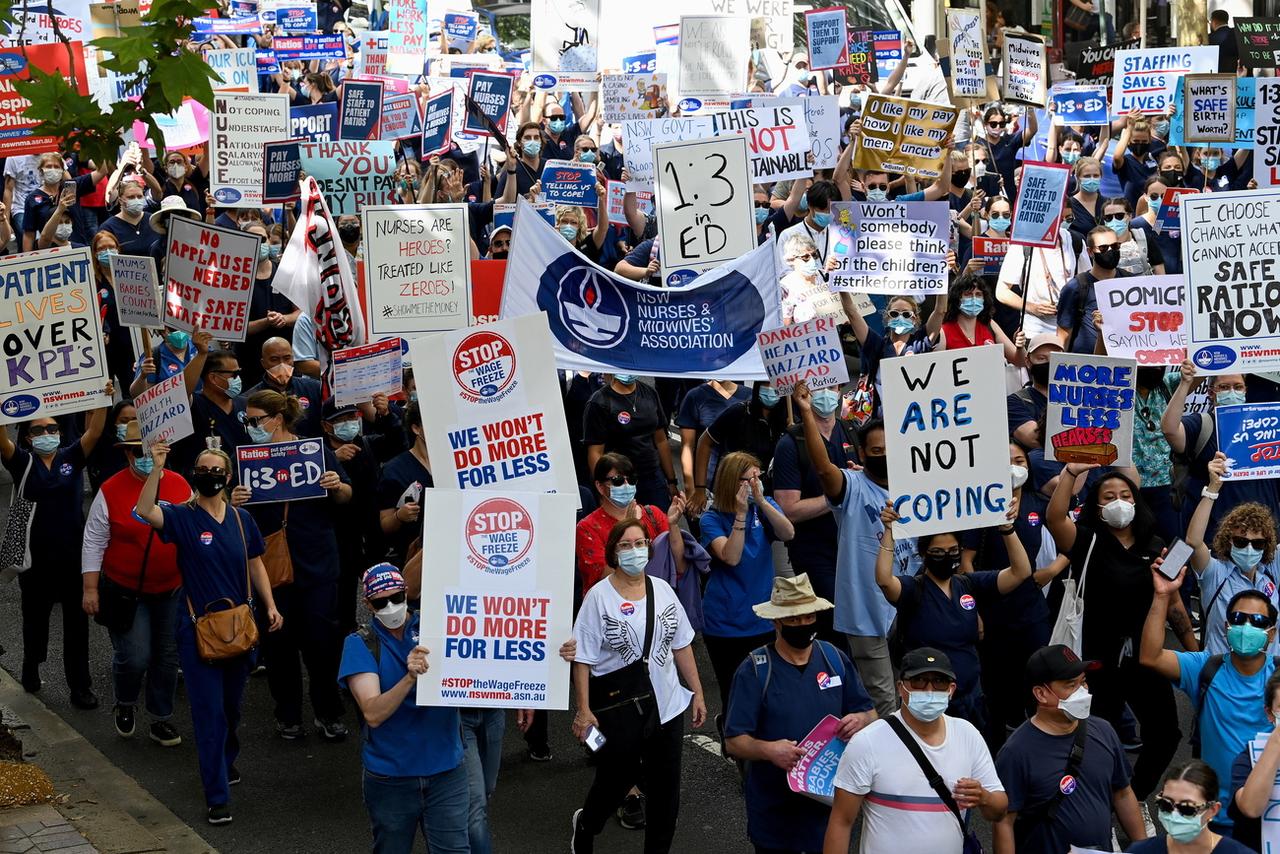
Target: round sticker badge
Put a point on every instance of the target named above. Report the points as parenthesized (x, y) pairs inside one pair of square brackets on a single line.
[(1067, 784), (966, 602), (1269, 589), (627, 609), (65, 469), (624, 417), (824, 679), (484, 367), (499, 536), (206, 537), (1033, 519), (304, 401)]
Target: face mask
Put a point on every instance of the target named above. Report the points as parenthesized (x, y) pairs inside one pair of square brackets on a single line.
[(1246, 558), (1108, 258), (901, 325), (877, 195), (587, 157), (349, 233), (178, 340), (295, 74), (234, 387), (1162, 129), (569, 232), (798, 637), (413, 397), (63, 232), (264, 252), (821, 220), (959, 179), (769, 396), (281, 373), (927, 705), (209, 485), (305, 90), (1000, 223), (1077, 705), (143, 465), (1170, 177), (393, 616), (1091, 185), (532, 148), (804, 203), (51, 176), (121, 430), (810, 267), (761, 215), (1018, 475), (622, 495), (972, 306), (941, 567), (825, 402), (1228, 398), (633, 561), (1139, 149), (45, 444), (177, 171), (274, 251), (877, 467), (1070, 157), (347, 431), (979, 168), (104, 257), (1119, 226), (1210, 164), (259, 435), (556, 125), (1183, 828), (806, 78), (134, 206), (1118, 514), (1040, 373), (1150, 377), (1246, 640), (625, 379)]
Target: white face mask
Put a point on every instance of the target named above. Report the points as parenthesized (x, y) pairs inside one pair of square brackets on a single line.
[(63, 232), (1118, 514), (1019, 475), (51, 176), (392, 616), (177, 171), (1077, 705)]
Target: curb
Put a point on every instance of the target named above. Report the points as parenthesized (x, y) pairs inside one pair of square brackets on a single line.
[(110, 808)]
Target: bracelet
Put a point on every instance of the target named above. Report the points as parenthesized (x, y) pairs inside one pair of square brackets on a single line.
[(1212, 496), (739, 527), (884, 549)]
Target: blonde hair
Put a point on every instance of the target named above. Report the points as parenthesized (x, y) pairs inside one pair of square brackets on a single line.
[(1086, 161), (728, 478), (226, 464)]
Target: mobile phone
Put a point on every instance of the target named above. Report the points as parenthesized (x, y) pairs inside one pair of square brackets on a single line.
[(69, 186), (1175, 559), (594, 739)]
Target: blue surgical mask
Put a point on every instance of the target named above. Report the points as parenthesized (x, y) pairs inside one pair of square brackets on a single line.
[(413, 396), (587, 156), (556, 125), (622, 495), (804, 203), (259, 435), (1090, 185), (633, 561), (1183, 828), (532, 148), (761, 215), (45, 444), (1000, 223), (178, 339), (1070, 157), (104, 257), (901, 325), (825, 402), (234, 387), (625, 379), (569, 232), (877, 195), (347, 431), (821, 220), (972, 306), (810, 267), (1228, 398), (1120, 227), (1246, 558), (1162, 128), (143, 465), (769, 396), (928, 705), (1246, 640), (274, 250), (121, 430), (264, 252), (1210, 163)]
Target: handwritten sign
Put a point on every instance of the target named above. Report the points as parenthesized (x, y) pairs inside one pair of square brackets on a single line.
[(567, 183), (416, 268), (1090, 414), (243, 124), (351, 174), (282, 471), (1258, 40), (1026, 70), (641, 136), (861, 67), (777, 137), (827, 32), (564, 39), (209, 278), (164, 411), (815, 774), (1143, 318), (1210, 108), (632, 96), (808, 352), (1245, 88), (136, 286), (360, 110), (969, 77), (903, 137), (406, 36), (1037, 215), (713, 55), (1249, 434), (361, 372), (1145, 79)]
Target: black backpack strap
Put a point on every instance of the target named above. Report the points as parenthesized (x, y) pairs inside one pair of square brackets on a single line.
[(372, 642), (1206, 610), (1074, 760), (1211, 667), (936, 782)]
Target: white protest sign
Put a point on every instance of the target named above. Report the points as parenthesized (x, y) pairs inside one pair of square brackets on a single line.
[(889, 247), (706, 216), (352, 174), (1210, 101), (237, 69), (777, 137), (1143, 319), (968, 46), (1090, 414), (242, 124), (822, 115), (625, 27), (1266, 132), (495, 421), (137, 286), (209, 274), (639, 136), (164, 411), (563, 39), (714, 53), (808, 352), (361, 372), (946, 434), (417, 265), (54, 361), (632, 96), (498, 599), (1026, 69), (1144, 79)]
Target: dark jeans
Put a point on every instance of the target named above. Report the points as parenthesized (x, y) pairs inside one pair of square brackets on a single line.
[(760, 850), (482, 740), (726, 654), (309, 636), (398, 806), (1150, 697), (55, 580), (215, 692), (149, 648)]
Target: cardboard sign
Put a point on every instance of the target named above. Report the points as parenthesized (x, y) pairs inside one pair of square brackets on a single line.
[(1090, 414), (360, 111), (808, 352), (164, 411), (714, 53), (400, 117), (237, 70), (352, 175), (461, 28), (281, 165), (860, 69), (314, 122), (705, 209), (282, 471), (1145, 79), (361, 372), (371, 55), (992, 251), (1266, 155), (640, 136), (814, 776), (209, 273), (968, 72), (309, 47), (1079, 105), (1026, 69), (54, 361), (777, 137), (1210, 101), (1143, 318), (826, 31), (889, 247), (1169, 215), (632, 96), (407, 34), (1258, 40), (186, 127), (1249, 434), (903, 137), (437, 126), (1037, 214), (499, 598), (563, 42), (565, 182), (416, 268), (16, 63), (492, 94), (243, 124), (947, 440), (1230, 266), (136, 285)]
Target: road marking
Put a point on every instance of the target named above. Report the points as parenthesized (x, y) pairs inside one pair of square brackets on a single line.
[(708, 744)]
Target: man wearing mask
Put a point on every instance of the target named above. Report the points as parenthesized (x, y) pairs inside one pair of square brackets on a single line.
[(1065, 773), (217, 411), (277, 365), (1029, 404), (526, 168), (1134, 160), (818, 197), (349, 234), (561, 134), (1078, 301), (500, 243)]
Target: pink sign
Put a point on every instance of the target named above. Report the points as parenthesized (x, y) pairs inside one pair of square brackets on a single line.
[(186, 127)]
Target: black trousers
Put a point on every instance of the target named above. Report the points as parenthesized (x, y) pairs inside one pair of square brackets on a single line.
[(309, 636), (726, 654), (1150, 697), (55, 580)]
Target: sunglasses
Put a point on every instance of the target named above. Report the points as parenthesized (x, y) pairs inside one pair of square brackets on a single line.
[(1258, 621), (1184, 808), (996, 125), (620, 479), (763, 205), (930, 683), (884, 187), (1154, 198), (1115, 217), (590, 149), (256, 420), (394, 599), (896, 313), (1241, 542), (205, 471), (50, 430)]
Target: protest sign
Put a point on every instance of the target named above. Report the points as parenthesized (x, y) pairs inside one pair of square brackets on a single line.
[(416, 268), (209, 278), (947, 440), (136, 285), (371, 52), (968, 73), (237, 70), (360, 110), (185, 127), (1026, 69), (296, 17), (54, 361), (361, 372), (640, 136), (282, 471), (991, 250), (1169, 214), (860, 70), (309, 47), (822, 115), (1210, 101), (352, 175), (889, 51), (1093, 64), (242, 125), (314, 122), (777, 137), (603, 322), (1244, 114), (437, 126), (640, 63), (486, 291), (808, 352), (1143, 319), (495, 420), (281, 163), (889, 247), (903, 137), (1090, 414), (625, 29), (1229, 263), (826, 31), (714, 53), (407, 35), (1145, 79), (1079, 105), (1258, 40), (267, 62), (164, 411), (461, 27), (805, 297), (705, 209), (492, 94), (1266, 165), (16, 63), (1038, 211), (1249, 434), (563, 42), (565, 182), (632, 96), (814, 776), (617, 192), (498, 599), (400, 117)]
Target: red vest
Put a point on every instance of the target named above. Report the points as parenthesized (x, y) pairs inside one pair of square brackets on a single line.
[(122, 561)]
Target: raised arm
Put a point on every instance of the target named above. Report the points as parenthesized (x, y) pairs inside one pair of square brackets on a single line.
[(146, 508), (1019, 568), (96, 422), (1171, 421), (1153, 654), (1058, 519), (1199, 523), (832, 478), (855, 318), (886, 580)]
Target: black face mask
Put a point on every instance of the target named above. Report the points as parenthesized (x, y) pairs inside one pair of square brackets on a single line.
[(959, 179), (209, 485), (349, 233), (798, 637), (941, 567), (1150, 377), (1107, 259), (1171, 177), (1040, 373), (500, 255), (877, 467), (1138, 149)]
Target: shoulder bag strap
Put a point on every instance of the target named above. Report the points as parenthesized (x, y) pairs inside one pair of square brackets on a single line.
[(1084, 570), (146, 554), (648, 619), (936, 782), (1074, 760), (248, 583)]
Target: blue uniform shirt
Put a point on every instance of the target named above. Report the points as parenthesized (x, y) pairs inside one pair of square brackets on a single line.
[(861, 608), (926, 617), (732, 590), (212, 556)]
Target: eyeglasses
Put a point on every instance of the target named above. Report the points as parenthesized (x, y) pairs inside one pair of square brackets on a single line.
[(805, 257), (1258, 621), (943, 552), (206, 471), (1240, 542), (620, 479), (256, 420), (1120, 217), (937, 682), (884, 187), (1184, 808), (50, 430), (394, 599), (633, 544), (894, 314)]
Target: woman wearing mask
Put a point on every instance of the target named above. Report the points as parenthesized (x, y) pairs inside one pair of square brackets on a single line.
[(1252, 783), (50, 476), (1112, 547), (999, 216), (121, 553), (903, 334), (626, 416), (967, 322), (1167, 240), (738, 530), (131, 227), (571, 222), (400, 487), (187, 181), (106, 458), (1187, 803), (805, 294), (309, 599), (1139, 254), (1086, 204), (271, 314), (754, 426), (633, 646), (219, 561), (315, 88), (615, 483), (119, 343)]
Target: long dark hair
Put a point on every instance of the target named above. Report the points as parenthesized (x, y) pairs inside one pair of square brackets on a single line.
[(1144, 521), (965, 281), (776, 417)]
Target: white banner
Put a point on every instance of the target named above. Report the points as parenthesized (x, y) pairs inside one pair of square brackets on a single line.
[(563, 40), (242, 124), (777, 136), (1145, 79), (1210, 108), (417, 267), (1143, 319), (714, 53), (639, 136), (1026, 69), (1090, 415), (137, 289), (209, 278), (164, 411)]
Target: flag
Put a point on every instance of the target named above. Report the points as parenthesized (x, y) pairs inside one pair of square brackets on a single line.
[(603, 322)]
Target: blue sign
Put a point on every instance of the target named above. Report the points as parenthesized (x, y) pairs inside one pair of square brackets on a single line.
[(360, 110), (284, 471), (281, 163), (296, 18), (491, 95), (1081, 105), (1246, 88), (1249, 434), (247, 25), (888, 51), (309, 47), (640, 63), (437, 124), (267, 62), (568, 183), (460, 26), (314, 122)]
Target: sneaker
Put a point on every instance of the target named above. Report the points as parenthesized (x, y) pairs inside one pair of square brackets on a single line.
[(163, 734), (290, 732), (580, 842), (233, 776), (126, 725), (631, 813), (221, 814), (84, 699), (331, 730), (1146, 819), (541, 753)]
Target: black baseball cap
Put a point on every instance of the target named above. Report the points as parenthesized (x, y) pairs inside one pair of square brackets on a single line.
[(1054, 663), (332, 410), (926, 659)]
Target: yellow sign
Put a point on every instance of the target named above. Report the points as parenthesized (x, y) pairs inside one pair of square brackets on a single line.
[(903, 137)]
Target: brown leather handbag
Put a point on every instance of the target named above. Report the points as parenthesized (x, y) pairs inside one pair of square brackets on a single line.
[(276, 558), (231, 631)]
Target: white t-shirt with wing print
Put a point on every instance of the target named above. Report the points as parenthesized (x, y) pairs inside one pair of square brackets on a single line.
[(610, 635)]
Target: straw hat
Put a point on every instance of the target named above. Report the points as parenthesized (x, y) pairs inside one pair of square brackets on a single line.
[(132, 435), (170, 205), (791, 597)]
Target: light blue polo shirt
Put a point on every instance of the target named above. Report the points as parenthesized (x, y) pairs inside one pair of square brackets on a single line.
[(861, 608), (1220, 581)]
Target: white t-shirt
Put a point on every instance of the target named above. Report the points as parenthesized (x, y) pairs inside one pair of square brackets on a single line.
[(899, 802), (610, 635), (1050, 271), (22, 170)]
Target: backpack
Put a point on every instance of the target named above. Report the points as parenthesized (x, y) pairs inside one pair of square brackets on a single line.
[(1211, 667)]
